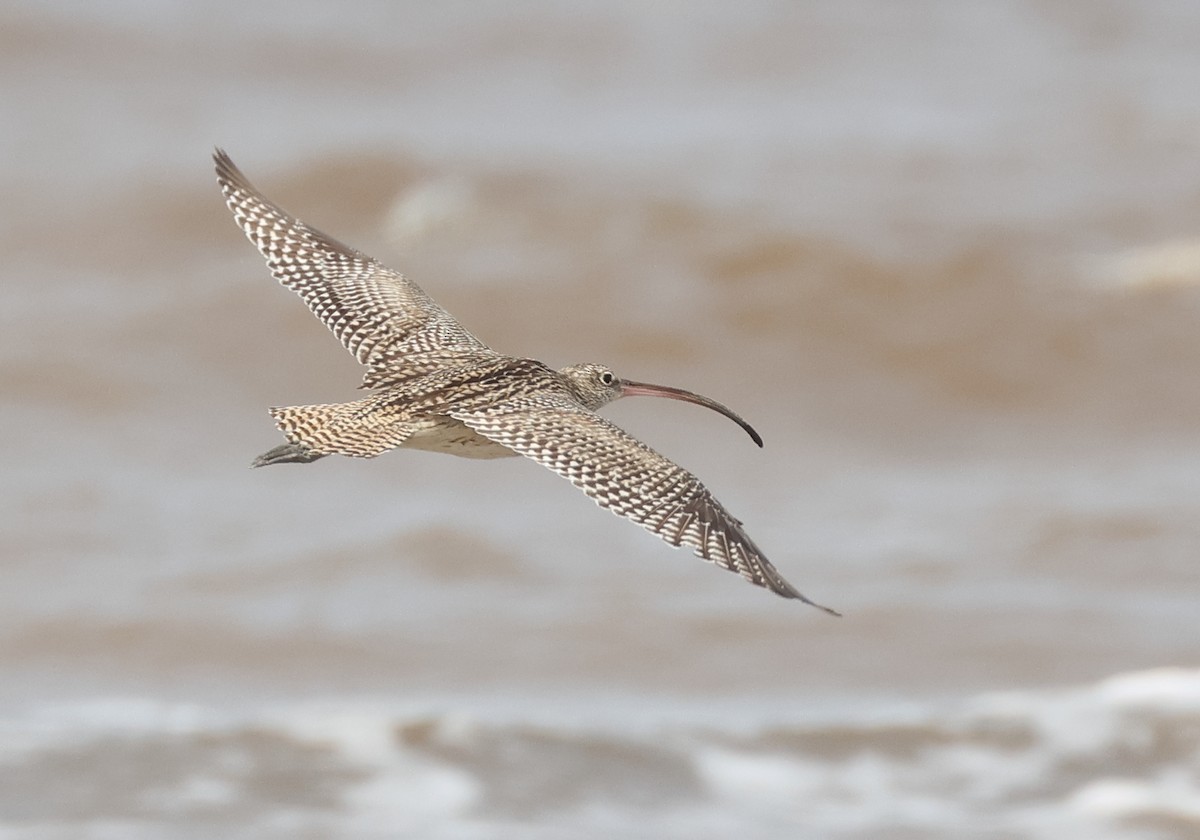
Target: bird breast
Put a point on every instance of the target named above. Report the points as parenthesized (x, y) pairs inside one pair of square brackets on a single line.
[(439, 433)]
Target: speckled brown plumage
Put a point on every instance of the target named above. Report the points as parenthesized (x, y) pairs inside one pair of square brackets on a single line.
[(440, 388)]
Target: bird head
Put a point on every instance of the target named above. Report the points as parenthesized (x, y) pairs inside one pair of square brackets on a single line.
[(596, 386)]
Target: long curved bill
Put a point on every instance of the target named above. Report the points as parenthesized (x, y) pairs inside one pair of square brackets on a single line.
[(643, 389)]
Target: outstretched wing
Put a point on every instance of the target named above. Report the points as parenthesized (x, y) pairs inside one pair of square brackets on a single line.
[(385, 320), (629, 478)]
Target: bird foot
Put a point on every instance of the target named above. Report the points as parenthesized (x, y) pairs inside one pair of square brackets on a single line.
[(287, 453)]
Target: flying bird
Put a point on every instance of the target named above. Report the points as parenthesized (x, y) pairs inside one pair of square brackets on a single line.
[(439, 388)]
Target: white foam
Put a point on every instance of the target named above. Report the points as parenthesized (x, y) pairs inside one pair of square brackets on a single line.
[(757, 778), (194, 791), (409, 795), (429, 205), (1115, 798), (1164, 689), (1172, 263)]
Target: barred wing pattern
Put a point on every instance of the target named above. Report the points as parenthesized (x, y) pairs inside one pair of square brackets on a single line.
[(385, 320), (629, 478)]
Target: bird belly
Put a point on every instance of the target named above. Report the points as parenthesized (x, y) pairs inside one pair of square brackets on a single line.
[(445, 434)]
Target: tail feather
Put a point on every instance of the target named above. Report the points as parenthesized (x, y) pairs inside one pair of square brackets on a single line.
[(351, 428)]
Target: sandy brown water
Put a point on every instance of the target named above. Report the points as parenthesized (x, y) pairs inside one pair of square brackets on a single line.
[(943, 257)]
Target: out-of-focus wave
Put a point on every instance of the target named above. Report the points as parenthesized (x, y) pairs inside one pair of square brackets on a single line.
[(1101, 760)]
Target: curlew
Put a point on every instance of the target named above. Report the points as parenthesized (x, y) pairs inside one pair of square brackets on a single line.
[(439, 388)]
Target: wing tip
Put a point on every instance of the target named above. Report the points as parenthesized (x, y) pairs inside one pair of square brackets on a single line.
[(228, 175), (785, 590), (830, 610)]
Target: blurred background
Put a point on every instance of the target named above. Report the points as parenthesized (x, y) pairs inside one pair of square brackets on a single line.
[(943, 255)]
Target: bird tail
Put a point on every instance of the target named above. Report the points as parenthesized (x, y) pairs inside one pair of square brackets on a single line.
[(359, 429)]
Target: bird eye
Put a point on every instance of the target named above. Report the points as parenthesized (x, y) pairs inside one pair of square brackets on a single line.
[(607, 378)]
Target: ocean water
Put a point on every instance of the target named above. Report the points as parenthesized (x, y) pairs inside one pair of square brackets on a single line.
[(943, 256)]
